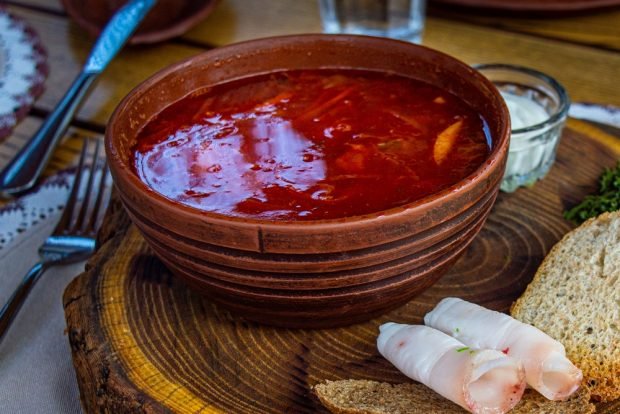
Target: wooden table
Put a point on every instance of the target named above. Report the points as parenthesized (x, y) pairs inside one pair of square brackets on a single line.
[(582, 52)]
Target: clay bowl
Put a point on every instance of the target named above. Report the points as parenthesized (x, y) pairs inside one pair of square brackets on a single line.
[(317, 273), (167, 19)]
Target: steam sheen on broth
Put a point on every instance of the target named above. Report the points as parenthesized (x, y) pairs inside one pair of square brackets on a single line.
[(310, 145)]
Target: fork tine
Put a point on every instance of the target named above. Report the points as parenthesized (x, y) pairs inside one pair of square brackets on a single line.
[(67, 243), (67, 214), (92, 170), (100, 201)]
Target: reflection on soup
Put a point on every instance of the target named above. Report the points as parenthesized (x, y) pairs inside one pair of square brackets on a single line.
[(310, 145)]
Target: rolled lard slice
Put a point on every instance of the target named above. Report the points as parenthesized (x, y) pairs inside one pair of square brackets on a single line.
[(547, 369), (481, 381)]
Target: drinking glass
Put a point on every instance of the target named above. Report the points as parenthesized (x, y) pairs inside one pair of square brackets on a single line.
[(399, 19)]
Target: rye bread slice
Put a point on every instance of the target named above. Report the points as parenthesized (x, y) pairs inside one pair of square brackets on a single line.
[(372, 397), (575, 298)]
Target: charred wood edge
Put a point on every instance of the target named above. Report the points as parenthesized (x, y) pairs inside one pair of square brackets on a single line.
[(103, 386)]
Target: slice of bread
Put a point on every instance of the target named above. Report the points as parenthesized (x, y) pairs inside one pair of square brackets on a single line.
[(575, 298), (372, 397)]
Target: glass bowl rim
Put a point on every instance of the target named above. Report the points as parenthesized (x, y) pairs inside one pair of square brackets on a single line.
[(564, 100)]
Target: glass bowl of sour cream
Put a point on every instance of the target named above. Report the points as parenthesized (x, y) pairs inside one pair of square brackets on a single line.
[(538, 106)]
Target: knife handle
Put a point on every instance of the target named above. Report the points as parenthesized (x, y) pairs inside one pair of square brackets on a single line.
[(9, 310), (25, 168)]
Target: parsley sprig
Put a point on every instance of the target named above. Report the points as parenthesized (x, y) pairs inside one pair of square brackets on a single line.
[(607, 199)]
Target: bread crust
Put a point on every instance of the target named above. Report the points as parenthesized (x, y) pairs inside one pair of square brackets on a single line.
[(372, 397), (575, 298)]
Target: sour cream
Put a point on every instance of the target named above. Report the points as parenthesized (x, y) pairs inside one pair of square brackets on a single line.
[(538, 106), (524, 112), (531, 152)]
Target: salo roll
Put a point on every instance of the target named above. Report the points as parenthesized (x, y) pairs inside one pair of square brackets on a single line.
[(547, 369), (481, 381)]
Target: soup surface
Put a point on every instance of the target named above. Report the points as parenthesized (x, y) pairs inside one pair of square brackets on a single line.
[(310, 145)]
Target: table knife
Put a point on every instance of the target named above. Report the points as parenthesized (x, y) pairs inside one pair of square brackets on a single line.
[(25, 168), (605, 117)]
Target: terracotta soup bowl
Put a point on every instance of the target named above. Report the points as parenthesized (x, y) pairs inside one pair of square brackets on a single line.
[(322, 273)]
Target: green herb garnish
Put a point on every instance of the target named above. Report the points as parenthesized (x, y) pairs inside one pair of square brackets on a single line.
[(465, 348), (607, 199), (457, 330)]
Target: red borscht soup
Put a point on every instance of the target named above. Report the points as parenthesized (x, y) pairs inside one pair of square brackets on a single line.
[(310, 145)]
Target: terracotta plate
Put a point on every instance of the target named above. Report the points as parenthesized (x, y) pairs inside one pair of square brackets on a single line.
[(534, 5), (169, 18)]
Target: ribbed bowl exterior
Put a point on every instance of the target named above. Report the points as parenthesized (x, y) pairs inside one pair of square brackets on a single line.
[(319, 299), (312, 274)]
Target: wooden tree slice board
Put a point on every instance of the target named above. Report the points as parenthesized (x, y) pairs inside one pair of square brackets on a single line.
[(143, 343)]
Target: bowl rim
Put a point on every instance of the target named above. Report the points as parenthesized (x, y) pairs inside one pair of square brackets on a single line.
[(497, 155)]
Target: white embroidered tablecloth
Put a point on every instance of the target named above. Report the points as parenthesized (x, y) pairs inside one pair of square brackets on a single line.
[(36, 370)]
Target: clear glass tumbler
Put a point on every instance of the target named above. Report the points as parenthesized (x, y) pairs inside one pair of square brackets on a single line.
[(399, 19)]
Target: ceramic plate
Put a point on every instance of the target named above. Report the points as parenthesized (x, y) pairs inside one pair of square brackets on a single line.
[(23, 70), (168, 19)]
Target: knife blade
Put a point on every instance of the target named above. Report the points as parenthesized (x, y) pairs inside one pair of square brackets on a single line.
[(24, 169), (606, 117)]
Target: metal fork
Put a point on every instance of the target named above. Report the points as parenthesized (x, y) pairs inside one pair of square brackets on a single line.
[(73, 239)]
